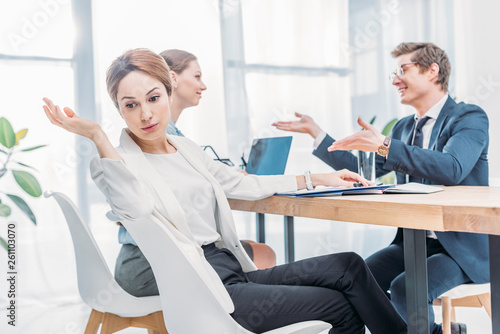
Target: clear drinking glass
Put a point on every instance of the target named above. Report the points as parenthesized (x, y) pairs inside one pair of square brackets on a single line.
[(366, 165)]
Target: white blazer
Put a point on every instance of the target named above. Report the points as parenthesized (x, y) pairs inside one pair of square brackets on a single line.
[(134, 189)]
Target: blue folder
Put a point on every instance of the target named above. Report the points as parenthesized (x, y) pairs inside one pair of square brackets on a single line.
[(336, 191)]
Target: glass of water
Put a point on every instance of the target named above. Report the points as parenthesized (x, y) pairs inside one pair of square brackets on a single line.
[(366, 165)]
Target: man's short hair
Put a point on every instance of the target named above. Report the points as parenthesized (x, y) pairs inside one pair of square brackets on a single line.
[(425, 54)]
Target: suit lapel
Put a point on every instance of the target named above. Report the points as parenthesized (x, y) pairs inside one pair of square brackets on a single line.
[(407, 134), (406, 137), (140, 166), (440, 121), (191, 158), (195, 162)]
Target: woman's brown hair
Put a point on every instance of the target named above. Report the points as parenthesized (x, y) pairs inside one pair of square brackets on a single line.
[(143, 60), (178, 60)]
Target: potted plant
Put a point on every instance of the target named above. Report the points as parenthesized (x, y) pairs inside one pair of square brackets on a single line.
[(388, 127), (9, 146)]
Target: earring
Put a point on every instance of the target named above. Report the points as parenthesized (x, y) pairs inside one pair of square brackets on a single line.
[(175, 87)]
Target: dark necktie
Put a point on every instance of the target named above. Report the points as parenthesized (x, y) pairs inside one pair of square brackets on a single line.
[(418, 140)]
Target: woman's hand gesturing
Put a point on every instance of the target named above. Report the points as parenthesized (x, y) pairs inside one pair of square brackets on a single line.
[(69, 121), (80, 126)]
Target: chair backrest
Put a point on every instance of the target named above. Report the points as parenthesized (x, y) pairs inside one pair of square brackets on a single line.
[(96, 284), (466, 290), (188, 304)]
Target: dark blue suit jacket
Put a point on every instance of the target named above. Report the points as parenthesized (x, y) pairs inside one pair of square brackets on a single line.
[(457, 155)]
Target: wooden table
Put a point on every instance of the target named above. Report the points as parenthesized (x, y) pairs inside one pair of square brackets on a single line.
[(465, 209)]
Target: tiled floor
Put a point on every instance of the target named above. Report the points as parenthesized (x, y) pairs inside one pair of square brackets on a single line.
[(72, 318)]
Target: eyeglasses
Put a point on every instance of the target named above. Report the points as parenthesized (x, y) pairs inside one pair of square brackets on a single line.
[(400, 72)]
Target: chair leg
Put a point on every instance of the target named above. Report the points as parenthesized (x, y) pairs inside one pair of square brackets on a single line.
[(94, 322), (446, 306), (160, 323), (112, 323), (153, 322), (485, 300)]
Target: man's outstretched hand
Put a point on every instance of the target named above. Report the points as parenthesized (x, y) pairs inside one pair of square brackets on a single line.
[(369, 139)]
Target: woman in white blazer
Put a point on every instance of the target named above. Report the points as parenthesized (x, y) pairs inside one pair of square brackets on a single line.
[(172, 179)]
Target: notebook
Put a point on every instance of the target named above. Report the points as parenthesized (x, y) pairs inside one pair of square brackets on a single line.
[(413, 188), (268, 156)]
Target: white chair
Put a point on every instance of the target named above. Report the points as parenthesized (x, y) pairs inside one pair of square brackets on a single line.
[(466, 295), (188, 304), (111, 306)]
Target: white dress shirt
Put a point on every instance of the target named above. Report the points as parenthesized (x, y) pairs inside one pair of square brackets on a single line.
[(433, 114), (319, 139)]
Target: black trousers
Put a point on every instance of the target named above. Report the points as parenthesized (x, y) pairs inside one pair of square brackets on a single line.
[(387, 266), (337, 288)]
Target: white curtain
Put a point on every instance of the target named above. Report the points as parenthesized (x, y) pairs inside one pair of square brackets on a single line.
[(477, 68), (34, 36)]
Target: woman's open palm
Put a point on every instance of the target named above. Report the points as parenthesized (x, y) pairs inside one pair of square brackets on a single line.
[(68, 120)]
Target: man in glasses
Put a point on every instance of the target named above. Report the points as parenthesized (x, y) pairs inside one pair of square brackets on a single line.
[(444, 143)]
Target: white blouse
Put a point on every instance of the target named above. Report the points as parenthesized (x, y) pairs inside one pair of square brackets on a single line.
[(193, 191)]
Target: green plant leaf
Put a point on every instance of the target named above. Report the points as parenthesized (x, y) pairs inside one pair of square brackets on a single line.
[(373, 120), (7, 135), (4, 210), (389, 178), (21, 204), (388, 128), (20, 135), (24, 165), (28, 183), (3, 243), (33, 148)]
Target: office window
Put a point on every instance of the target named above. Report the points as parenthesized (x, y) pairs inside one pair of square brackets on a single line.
[(37, 28), (289, 62), (36, 61)]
